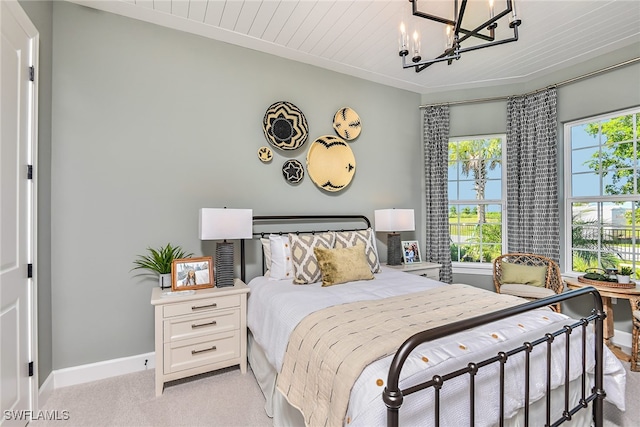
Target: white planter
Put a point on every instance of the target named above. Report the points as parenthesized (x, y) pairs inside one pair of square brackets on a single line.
[(164, 280), (623, 279)]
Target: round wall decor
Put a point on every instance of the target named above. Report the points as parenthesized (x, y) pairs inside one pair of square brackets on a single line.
[(330, 163), (293, 171), (284, 126), (265, 154), (346, 123)]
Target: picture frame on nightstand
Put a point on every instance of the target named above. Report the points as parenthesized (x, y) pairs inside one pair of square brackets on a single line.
[(192, 273), (411, 251)]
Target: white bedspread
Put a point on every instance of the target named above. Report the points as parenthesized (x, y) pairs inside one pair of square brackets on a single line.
[(276, 307)]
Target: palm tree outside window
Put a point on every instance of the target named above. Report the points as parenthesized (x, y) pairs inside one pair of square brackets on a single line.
[(476, 198)]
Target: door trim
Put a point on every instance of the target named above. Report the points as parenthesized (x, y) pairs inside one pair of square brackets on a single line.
[(29, 28)]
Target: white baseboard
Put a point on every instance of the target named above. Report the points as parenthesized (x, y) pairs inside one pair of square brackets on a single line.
[(101, 370)]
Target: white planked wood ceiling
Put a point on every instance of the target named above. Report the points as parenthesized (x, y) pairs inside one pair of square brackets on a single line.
[(360, 37)]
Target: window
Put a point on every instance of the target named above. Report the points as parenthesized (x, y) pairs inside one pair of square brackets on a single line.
[(601, 184), (476, 198)]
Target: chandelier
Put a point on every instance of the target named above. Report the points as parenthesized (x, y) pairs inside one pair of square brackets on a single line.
[(456, 34)]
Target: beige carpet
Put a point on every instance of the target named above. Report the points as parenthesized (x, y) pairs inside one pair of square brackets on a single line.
[(223, 398)]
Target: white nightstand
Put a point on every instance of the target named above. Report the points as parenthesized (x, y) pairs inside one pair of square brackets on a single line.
[(200, 333), (426, 269)]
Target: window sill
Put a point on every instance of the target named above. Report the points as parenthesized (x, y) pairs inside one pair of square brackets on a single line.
[(477, 269)]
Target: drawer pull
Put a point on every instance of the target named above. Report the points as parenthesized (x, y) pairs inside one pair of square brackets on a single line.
[(194, 352), (201, 325), (200, 307)]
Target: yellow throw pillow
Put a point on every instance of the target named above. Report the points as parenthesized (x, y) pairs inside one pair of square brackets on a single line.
[(524, 274), (343, 264)]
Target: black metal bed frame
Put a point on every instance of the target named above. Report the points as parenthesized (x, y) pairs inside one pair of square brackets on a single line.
[(393, 396)]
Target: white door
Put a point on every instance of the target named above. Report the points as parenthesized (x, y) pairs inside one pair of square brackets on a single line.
[(18, 51)]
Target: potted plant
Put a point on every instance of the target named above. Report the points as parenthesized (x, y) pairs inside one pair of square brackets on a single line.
[(159, 261), (624, 274)]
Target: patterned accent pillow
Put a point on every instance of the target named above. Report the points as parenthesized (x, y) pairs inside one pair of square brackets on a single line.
[(305, 264), (344, 239)]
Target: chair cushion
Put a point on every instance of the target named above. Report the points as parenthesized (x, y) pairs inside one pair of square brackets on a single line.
[(524, 274), (525, 291)]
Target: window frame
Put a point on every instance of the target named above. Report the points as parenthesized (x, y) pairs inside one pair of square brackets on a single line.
[(569, 199), (483, 268)]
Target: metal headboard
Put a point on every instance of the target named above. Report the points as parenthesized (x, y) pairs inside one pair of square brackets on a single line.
[(289, 221)]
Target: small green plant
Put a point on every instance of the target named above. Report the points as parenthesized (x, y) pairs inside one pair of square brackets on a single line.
[(625, 271), (159, 260)]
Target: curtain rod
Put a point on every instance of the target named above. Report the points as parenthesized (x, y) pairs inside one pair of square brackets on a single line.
[(565, 82)]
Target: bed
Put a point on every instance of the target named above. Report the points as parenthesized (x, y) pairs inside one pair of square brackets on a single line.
[(311, 347)]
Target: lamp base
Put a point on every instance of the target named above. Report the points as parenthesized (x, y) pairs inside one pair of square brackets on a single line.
[(394, 249), (224, 264)]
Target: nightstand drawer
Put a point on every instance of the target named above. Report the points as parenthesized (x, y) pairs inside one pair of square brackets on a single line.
[(201, 305), (192, 353), (199, 325)]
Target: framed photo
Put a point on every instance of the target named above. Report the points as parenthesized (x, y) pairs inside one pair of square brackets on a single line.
[(192, 273), (411, 251)]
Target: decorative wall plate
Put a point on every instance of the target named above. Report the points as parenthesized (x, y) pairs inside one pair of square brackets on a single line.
[(284, 126), (265, 154), (293, 171), (346, 123), (330, 163)]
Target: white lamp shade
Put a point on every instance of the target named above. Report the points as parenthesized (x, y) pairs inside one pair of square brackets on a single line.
[(220, 224), (393, 220)]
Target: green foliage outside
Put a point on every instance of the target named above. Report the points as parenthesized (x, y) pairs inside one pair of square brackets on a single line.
[(615, 159), (476, 157)]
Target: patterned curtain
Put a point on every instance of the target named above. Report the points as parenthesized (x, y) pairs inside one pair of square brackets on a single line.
[(435, 133), (533, 218)]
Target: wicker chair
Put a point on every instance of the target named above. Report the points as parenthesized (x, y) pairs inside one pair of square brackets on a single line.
[(635, 333), (553, 281)]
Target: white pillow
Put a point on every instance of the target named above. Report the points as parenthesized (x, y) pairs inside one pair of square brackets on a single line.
[(266, 250), (281, 264)]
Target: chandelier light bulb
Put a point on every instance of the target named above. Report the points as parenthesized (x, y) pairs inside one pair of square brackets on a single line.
[(449, 41), (416, 47), (404, 50)]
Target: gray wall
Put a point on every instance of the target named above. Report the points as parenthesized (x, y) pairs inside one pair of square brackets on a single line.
[(604, 93), (151, 124), (41, 13)]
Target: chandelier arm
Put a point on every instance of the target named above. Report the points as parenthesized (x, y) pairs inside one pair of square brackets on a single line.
[(460, 17), (450, 54), (447, 55), (475, 31)]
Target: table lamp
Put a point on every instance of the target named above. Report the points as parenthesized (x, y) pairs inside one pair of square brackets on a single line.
[(393, 221), (223, 224)]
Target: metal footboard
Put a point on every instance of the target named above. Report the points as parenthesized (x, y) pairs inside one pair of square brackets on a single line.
[(393, 396)]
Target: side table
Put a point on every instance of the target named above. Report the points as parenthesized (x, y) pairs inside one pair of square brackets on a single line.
[(430, 270), (200, 332)]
